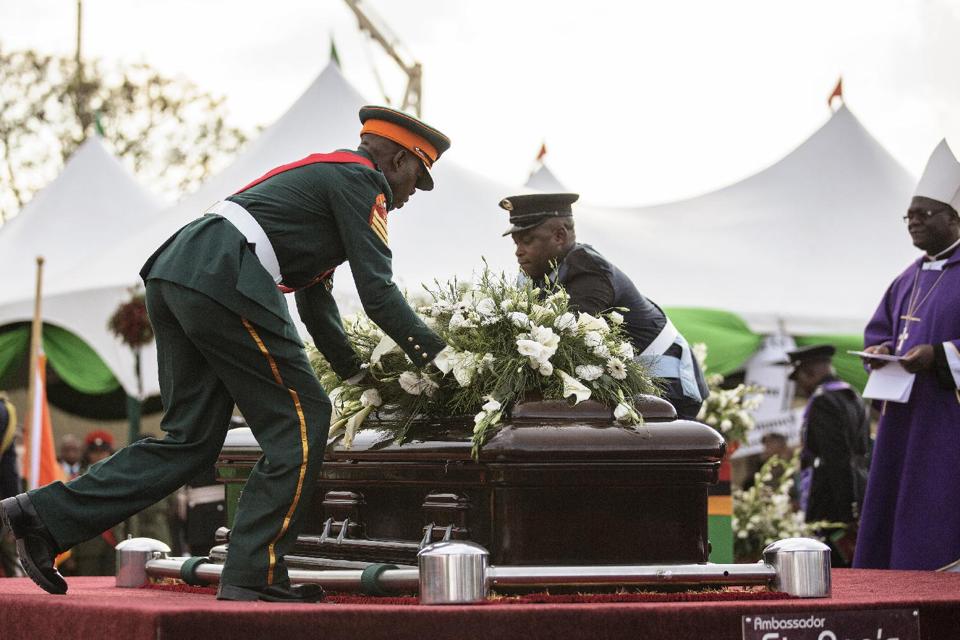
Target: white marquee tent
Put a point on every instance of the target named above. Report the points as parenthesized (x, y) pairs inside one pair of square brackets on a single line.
[(806, 246), (93, 204)]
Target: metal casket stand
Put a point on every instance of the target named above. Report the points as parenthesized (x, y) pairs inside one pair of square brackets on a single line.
[(456, 572)]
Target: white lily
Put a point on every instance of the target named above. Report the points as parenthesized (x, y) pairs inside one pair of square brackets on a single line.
[(444, 360), (385, 346), (573, 387)]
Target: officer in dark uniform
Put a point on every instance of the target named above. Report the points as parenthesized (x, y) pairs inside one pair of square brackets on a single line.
[(547, 249), (224, 336), (835, 438)]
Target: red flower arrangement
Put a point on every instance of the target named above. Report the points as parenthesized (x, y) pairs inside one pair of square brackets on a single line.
[(130, 322)]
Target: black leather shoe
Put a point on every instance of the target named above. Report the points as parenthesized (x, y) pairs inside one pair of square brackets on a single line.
[(35, 545), (302, 593)]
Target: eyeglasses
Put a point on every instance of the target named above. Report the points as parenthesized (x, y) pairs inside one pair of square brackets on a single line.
[(922, 214)]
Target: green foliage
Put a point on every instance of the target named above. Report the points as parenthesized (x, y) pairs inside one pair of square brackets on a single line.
[(169, 132), (766, 512)]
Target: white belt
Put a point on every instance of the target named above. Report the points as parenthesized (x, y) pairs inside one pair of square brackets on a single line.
[(252, 231), (667, 336)]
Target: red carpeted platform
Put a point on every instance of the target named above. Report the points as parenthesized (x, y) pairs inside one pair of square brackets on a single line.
[(96, 609)]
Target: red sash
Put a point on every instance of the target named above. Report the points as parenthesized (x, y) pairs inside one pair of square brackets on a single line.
[(337, 157)]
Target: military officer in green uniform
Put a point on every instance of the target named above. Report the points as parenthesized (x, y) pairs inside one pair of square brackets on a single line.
[(224, 336)]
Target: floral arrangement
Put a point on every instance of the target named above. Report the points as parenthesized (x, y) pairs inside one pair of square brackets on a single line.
[(727, 410), (130, 322), (766, 512), (505, 342)]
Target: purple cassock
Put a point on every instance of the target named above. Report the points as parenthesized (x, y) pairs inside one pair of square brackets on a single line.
[(911, 513)]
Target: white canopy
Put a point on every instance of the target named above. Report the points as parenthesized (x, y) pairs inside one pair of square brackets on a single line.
[(808, 245), (90, 207)]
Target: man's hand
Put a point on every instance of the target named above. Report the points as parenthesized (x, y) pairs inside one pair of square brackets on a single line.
[(918, 358), (882, 349)]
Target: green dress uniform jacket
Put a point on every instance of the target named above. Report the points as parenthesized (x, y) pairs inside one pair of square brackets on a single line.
[(225, 337)]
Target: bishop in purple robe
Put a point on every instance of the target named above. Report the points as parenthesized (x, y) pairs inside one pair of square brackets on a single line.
[(910, 517)]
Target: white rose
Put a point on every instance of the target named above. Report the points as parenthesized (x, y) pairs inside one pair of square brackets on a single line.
[(588, 372), (625, 351), (565, 323), (464, 368), (410, 383), (491, 405), (486, 307), (588, 322), (546, 368), (601, 351), (519, 319), (546, 337), (615, 317), (371, 398), (593, 339)]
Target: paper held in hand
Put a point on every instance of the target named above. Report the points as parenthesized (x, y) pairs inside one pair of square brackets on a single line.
[(889, 357), (892, 382)]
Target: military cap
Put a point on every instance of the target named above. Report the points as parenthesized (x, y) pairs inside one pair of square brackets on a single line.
[(806, 355), (528, 211), (419, 138)]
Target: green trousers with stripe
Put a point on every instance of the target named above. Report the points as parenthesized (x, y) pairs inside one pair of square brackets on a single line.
[(210, 359)]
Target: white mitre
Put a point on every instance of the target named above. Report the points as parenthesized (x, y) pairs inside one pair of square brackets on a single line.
[(941, 178)]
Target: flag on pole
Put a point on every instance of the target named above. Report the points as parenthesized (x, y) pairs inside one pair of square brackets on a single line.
[(543, 152), (42, 466), (837, 93)]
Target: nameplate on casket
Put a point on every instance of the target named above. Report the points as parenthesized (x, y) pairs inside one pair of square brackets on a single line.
[(882, 624)]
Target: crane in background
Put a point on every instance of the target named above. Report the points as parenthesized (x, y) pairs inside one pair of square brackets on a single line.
[(376, 28)]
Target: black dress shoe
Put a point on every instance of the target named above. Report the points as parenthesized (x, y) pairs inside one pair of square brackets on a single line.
[(35, 545), (302, 593)]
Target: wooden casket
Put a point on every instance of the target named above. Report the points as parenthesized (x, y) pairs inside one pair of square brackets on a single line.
[(555, 485)]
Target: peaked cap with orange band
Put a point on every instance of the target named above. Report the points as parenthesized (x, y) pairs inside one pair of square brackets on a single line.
[(419, 138)]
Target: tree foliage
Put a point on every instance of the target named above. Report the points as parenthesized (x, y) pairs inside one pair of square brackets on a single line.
[(169, 132)]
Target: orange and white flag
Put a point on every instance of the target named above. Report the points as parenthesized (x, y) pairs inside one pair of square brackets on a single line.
[(41, 466)]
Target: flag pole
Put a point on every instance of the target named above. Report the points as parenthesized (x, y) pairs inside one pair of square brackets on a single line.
[(36, 336)]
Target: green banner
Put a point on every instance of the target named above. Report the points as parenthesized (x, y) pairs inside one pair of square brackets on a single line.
[(74, 361), (729, 340), (13, 348), (849, 368)]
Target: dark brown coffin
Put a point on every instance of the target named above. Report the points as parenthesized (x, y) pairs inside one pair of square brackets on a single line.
[(556, 485)]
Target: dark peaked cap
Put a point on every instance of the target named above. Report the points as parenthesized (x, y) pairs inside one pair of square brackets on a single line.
[(416, 136), (528, 211), (813, 353)]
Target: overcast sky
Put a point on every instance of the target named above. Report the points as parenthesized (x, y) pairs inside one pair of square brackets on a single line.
[(639, 102)]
